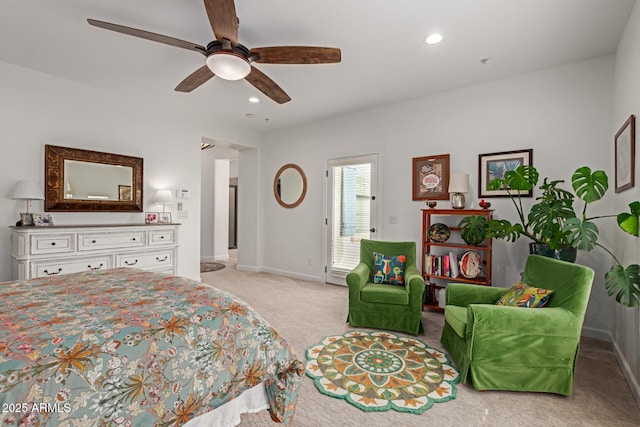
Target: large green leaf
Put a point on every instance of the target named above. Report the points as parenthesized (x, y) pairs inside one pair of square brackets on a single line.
[(547, 219), (589, 186), (503, 229), (473, 229), (625, 284), (629, 222), (496, 184), (582, 234), (551, 191), (523, 178)]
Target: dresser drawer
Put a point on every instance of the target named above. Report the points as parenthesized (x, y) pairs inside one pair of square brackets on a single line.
[(162, 237), (146, 260), (97, 241), (66, 266), (52, 243)]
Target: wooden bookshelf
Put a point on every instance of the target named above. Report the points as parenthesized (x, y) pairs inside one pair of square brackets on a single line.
[(455, 244)]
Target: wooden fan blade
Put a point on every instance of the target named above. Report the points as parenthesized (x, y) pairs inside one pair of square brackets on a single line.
[(297, 55), (223, 19), (148, 35), (195, 79), (267, 86)]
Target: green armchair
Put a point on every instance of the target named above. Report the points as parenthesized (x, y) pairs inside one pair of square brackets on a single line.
[(393, 307), (514, 348)]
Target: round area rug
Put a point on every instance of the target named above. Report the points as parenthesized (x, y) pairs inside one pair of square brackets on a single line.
[(205, 267), (379, 371)]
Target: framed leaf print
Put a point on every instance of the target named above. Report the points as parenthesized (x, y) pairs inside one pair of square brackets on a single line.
[(495, 165)]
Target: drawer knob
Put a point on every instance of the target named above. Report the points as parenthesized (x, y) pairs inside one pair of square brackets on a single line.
[(53, 243), (162, 237), (163, 259), (93, 241), (134, 239), (95, 268), (131, 263), (53, 273)]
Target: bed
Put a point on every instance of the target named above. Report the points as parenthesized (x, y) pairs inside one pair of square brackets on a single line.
[(129, 347)]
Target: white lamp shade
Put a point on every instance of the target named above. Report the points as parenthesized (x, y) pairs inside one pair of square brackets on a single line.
[(163, 197), (228, 65), (459, 183), (27, 190)]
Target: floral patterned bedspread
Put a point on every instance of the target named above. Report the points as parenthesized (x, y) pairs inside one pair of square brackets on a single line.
[(126, 347)]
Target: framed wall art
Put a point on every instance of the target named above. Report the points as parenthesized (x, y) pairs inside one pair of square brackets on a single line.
[(625, 153), (495, 165), (431, 177), (164, 218), (151, 217)]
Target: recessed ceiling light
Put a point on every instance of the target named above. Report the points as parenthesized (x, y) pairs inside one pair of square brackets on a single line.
[(250, 116), (254, 99), (434, 38)]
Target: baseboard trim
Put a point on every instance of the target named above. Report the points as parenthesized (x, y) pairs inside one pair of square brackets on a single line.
[(293, 275), (223, 258), (599, 334), (251, 268), (604, 335), (626, 369)]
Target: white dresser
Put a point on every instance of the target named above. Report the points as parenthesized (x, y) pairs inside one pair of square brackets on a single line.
[(49, 251)]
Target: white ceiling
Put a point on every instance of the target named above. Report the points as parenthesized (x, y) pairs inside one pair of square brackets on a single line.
[(384, 58)]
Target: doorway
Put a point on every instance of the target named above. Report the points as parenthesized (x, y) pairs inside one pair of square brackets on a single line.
[(351, 212), (233, 213)]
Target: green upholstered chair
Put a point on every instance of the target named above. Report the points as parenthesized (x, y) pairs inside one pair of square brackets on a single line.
[(383, 306), (515, 348)]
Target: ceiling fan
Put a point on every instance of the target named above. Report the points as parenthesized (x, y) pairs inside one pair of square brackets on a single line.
[(230, 60)]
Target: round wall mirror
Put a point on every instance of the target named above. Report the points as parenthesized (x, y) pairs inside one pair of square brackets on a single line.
[(290, 185)]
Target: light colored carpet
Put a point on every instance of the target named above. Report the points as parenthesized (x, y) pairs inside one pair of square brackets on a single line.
[(305, 312)]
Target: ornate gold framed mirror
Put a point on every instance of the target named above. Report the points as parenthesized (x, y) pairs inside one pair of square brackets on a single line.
[(87, 181)]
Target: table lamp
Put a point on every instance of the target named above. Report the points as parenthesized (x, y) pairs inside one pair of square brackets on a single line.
[(458, 185), (164, 198), (27, 190)]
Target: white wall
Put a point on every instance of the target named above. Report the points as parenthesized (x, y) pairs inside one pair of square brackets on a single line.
[(626, 331), (37, 109), (221, 211), (563, 113), (207, 205)]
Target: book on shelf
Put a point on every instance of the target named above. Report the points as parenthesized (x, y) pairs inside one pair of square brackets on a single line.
[(441, 265)]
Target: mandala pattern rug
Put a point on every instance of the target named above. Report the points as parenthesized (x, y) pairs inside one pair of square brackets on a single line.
[(379, 371)]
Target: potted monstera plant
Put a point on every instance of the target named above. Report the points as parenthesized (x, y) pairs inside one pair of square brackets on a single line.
[(556, 230)]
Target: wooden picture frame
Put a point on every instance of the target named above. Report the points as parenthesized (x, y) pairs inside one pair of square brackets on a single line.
[(625, 153), (431, 177), (495, 165), (124, 193)]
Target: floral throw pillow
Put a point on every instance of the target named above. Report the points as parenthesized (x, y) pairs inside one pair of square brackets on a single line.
[(523, 295), (388, 269)]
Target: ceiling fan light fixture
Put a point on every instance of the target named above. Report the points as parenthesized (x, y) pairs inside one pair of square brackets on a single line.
[(228, 65)]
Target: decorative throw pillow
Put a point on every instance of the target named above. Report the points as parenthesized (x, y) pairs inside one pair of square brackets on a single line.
[(388, 269), (523, 295)]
